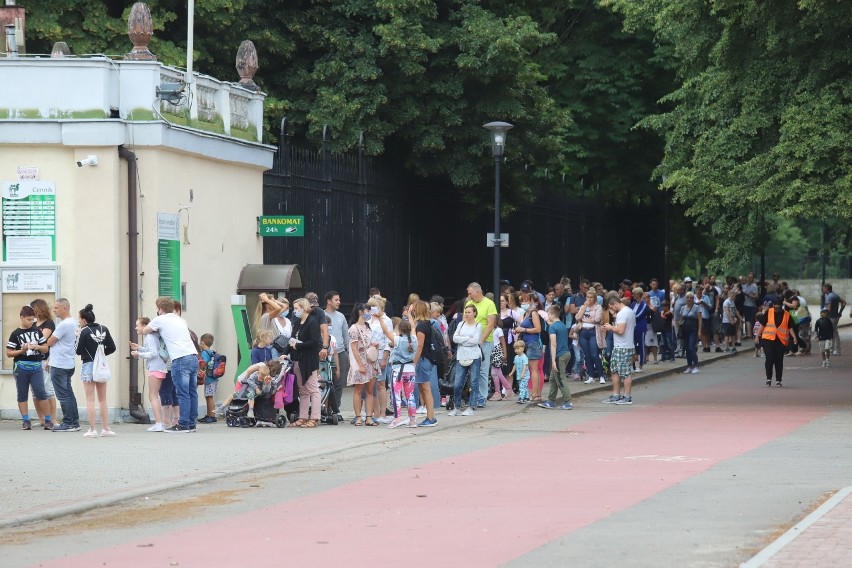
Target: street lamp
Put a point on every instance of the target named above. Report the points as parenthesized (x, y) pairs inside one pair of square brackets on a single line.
[(498, 132)]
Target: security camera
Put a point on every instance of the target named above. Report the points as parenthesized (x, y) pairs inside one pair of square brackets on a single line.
[(90, 160)]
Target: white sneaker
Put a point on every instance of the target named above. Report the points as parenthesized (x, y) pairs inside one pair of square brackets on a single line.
[(106, 433), (384, 420), (603, 381), (156, 428), (421, 410), (688, 370), (91, 434), (397, 422), (467, 412), (453, 412), (639, 370), (250, 414), (828, 363), (695, 371), (588, 381)]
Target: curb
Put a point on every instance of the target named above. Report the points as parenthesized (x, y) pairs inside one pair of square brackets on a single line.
[(778, 544)]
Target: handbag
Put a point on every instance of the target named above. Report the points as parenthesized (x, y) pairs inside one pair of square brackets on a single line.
[(100, 370), (372, 354), (281, 344)]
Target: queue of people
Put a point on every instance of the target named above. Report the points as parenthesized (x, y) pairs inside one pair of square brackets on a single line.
[(591, 335)]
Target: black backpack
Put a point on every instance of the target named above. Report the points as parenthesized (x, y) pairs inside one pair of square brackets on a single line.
[(437, 351)]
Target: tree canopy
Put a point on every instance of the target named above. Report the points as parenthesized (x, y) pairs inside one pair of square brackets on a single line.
[(759, 122)]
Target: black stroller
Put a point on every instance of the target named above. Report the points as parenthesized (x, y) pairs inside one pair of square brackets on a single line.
[(266, 415), (326, 382)]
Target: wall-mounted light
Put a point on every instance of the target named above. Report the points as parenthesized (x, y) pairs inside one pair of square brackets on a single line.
[(172, 93)]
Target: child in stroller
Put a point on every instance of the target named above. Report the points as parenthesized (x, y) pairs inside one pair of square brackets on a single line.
[(253, 402)]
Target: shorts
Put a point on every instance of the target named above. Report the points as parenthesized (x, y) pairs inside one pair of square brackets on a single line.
[(424, 371), (825, 344), (730, 330), (715, 323), (651, 338), (534, 351), (210, 388), (87, 372), (621, 362), (48, 382), (157, 374), (749, 312)]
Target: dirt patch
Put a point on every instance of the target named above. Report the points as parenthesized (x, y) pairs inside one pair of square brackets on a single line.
[(119, 516)]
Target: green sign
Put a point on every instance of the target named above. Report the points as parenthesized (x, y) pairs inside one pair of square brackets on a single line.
[(286, 226), (29, 222), (168, 263), (168, 255)]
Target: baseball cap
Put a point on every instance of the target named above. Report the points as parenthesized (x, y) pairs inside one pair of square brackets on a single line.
[(525, 287), (627, 281), (628, 294), (687, 279), (312, 299)]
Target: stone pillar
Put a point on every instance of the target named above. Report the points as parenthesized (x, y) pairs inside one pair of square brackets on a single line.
[(140, 29), (247, 65)]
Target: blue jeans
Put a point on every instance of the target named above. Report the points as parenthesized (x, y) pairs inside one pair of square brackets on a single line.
[(578, 357), (666, 345), (184, 375), (690, 341), (460, 379), (484, 373), (65, 393), (589, 345)]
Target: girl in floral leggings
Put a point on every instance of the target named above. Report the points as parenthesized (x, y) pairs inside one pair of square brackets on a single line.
[(402, 359)]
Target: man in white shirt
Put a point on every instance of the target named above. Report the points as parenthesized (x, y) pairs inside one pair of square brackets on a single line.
[(62, 345), (621, 362), (175, 334)]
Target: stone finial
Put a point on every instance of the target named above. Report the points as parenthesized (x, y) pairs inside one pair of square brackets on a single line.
[(140, 28), (247, 65), (60, 50)]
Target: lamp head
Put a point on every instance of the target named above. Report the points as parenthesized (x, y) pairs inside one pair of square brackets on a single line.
[(498, 132)]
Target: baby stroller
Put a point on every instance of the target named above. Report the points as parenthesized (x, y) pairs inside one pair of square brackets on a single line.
[(266, 406), (326, 382)]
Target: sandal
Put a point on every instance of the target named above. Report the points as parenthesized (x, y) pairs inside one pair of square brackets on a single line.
[(358, 422), (371, 422), (299, 423), (309, 424)]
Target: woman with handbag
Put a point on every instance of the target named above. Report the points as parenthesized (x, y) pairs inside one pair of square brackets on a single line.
[(690, 329), (271, 315), (305, 345), (92, 337), (469, 358), (588, 325), (363, 363)]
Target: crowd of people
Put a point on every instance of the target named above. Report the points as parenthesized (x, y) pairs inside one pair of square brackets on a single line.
[(400, 359)]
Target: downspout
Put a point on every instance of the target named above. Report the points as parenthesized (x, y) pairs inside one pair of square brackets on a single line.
[(135, 398)]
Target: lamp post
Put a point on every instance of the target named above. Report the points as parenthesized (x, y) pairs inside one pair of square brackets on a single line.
[(498, 132)]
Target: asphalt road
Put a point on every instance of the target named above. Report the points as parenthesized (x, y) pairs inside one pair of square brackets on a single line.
[(702, 470)]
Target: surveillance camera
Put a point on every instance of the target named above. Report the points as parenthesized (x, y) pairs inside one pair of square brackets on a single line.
[(90, 160)]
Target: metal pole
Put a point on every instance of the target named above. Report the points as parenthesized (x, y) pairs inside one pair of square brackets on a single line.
[(497, 241)]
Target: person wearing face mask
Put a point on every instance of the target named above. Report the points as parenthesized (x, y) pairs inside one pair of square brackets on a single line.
[(305, 346)]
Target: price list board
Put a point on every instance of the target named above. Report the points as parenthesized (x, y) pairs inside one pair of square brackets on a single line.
[(29, 222)]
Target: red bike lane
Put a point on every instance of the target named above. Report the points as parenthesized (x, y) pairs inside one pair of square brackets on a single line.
[(478, 505)]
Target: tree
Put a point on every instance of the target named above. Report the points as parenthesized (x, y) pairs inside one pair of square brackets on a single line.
[(759, 122)]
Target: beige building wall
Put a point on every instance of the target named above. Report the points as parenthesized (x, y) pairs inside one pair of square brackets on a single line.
[(92, 242)]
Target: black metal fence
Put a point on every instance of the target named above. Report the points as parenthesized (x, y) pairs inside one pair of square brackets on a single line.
[(367, 224)]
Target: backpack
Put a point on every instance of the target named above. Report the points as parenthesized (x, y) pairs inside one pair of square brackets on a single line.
[(216, 366), (202, 371), (438, 352)]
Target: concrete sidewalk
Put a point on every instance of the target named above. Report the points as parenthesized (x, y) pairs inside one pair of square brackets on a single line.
[(64, 473)]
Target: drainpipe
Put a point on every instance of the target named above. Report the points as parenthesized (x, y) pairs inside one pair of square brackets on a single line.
[(135, 399)]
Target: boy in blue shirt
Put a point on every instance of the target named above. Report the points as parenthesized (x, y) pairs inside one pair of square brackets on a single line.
[(560, 356), (522, 366)]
